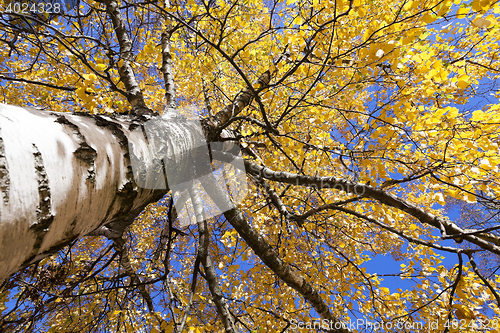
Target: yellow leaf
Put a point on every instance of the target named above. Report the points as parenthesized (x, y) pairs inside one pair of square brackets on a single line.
[(428, 18), (453, 192), (485, 4), (463, 81), (361, 11), (413, 227), (452, 113), (463, 312), (476, 5), (100, 67), (485, 164), (470, 198), (481, 22), (90, 77), (478, 115), (297, 21), (439, 198), (169, 328), (462, 12), (83, 96)]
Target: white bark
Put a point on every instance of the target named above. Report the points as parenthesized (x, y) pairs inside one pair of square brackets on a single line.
[(63, 175)]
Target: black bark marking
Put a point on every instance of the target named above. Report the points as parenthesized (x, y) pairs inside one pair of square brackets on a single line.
[(4, 173), (63, 120), (85, 152), (117, 131), (44, 215), (128, 192), (88, 155), (43, 210), (145, 134), (133, 127)]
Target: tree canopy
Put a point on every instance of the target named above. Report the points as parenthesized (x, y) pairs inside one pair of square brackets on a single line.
[(363, 124)]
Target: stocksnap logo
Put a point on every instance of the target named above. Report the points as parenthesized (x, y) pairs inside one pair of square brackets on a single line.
[(171, 152)]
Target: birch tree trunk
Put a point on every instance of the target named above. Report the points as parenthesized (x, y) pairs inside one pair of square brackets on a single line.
[(64, 175)]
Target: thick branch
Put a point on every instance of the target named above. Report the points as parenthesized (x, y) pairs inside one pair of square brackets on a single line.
[(204, 257), (279, 267), (134, 93), (241, 101), (275, 198), (447, 227), (167, 70), (212, 125), (267, 254)]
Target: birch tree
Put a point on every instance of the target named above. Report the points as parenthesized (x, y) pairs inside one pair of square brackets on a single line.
[(358, 122)]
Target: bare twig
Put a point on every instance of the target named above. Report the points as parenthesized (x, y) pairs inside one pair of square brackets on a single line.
[(485, 281), (45, 84)]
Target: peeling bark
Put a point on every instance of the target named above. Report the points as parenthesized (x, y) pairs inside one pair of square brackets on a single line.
[(4, 173), (44, 215), (84, 152), (64, 175)]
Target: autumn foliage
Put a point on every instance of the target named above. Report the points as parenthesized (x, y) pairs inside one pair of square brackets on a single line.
[(384, 113)]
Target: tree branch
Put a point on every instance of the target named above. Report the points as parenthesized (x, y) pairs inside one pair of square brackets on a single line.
[(241, 101), (485, 281), (204, 257), (120, 247), (447, 227), (48, 85), (134, 93), (167, 69), (267, 254)]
